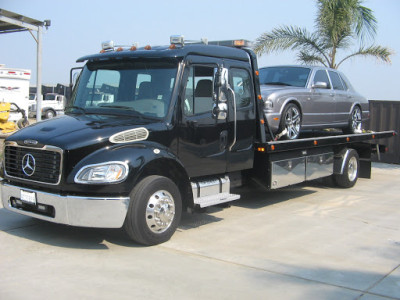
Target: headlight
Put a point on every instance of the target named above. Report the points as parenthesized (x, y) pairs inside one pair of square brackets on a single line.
[(109, 172), (268, 104)]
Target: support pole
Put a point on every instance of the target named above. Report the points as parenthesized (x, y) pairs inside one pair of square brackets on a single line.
[(39, 76)]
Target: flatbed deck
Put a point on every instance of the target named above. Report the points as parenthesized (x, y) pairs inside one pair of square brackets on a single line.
[(320, 141)]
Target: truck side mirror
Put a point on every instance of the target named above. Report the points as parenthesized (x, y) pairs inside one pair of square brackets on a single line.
[(74, 75), (220, 107)]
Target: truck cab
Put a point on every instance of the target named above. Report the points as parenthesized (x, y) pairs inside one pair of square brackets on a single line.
[(52, 106)]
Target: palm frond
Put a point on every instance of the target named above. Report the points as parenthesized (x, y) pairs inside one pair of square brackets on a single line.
[(379, 52), (310, 59), (289, 37)]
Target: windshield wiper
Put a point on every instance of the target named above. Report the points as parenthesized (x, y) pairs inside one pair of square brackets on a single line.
[(117, 106), (278, 83), (77, 107)]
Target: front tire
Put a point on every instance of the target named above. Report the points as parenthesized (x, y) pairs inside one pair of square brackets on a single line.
[(49, 114), (154, 211), (291, 121), (350, 172)]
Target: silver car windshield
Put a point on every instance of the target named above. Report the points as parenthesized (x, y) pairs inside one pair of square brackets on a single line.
[(135, 88), (286, 76)]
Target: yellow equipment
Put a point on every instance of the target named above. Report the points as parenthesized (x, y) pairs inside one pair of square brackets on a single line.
[(5, 125)]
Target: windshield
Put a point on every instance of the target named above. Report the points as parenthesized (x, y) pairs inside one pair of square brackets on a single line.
[(140, 89), (50, 97), (288, 76)]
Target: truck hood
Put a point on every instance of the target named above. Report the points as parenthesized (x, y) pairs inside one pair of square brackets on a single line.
[(76, 131)]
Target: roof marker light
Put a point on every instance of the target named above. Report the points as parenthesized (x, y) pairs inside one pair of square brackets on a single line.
[(148, 47), (108, 45), (119, 49), (177, 39)]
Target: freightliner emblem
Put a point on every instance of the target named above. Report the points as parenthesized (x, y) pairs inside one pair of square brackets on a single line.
[(28, 164)]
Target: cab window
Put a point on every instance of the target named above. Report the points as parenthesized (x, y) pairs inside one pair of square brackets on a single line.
[(241, 83), (198, 97)]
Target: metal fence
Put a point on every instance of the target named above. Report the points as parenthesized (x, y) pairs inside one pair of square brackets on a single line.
[(385, 115)]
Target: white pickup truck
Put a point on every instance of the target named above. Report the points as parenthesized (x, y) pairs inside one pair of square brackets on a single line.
[(52, 105)]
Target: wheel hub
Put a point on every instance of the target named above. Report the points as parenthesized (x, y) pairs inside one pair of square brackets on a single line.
[(352, 169), (292, 121), (160, 211)]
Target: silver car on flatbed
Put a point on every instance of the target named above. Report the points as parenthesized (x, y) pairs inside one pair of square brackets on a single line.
[(310, 97)]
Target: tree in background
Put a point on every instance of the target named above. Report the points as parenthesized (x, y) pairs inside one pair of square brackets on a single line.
[(338, 25)]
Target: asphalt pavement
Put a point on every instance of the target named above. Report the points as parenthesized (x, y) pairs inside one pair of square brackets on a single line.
[(310, 241)]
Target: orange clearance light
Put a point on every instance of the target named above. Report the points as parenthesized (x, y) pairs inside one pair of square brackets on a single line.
[(259, 97), (373, 136), (315, 143), (133, 48), (261, 149), (348, 139), (238, 43), (276, 119), (103, 51), (172, 46), (272, 147), (262, 121), (119, 49), (148, 47), (257, 73)]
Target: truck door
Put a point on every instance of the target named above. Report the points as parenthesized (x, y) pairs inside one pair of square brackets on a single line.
[(241, 123), (203, 139)]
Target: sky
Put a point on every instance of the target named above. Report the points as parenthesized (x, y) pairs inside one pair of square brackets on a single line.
[(79, 27)]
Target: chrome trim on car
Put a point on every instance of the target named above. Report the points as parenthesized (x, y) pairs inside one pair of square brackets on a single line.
[(44, 148), (99, 212)]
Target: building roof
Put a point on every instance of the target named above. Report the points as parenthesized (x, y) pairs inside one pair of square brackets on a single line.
[(13, 22)]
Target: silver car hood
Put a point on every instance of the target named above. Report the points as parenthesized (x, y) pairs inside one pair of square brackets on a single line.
[(267, 90)]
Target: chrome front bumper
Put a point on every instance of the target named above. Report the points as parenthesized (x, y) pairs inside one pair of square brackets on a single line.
[(70, 210)]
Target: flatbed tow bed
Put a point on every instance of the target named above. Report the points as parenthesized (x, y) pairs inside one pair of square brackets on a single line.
[(319, 141)]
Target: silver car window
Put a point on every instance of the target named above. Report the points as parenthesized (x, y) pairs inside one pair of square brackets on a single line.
[(336, 82), (322, 76)]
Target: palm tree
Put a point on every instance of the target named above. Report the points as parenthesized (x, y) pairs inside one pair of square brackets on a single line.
[(338, 24)]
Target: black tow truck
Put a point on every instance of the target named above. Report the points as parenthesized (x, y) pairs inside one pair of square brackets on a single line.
[(152, 131)]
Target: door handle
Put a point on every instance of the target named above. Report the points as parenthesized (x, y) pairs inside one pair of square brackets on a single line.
[(223, 140)]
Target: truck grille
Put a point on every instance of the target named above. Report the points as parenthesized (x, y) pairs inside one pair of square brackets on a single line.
[(31, 164)]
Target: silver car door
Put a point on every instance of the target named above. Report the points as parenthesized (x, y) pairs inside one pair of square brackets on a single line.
[(320, 108), (343, 102)]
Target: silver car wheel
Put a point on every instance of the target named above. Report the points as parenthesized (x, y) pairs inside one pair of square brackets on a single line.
[(292, 122), (160, 211), (356, 119)]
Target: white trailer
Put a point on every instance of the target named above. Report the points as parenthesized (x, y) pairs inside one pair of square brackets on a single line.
[(14, 88)]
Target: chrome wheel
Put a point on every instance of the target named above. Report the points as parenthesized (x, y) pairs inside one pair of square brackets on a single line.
[(160, 211), (355, 120), (292, 122), (352, 168)]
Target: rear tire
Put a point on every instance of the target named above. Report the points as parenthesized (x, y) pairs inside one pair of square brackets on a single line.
[(355, 121), (350, 172), (291, 121), (154, 211)]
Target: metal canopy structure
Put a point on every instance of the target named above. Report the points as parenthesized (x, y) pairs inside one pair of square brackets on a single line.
[(11, 22)]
